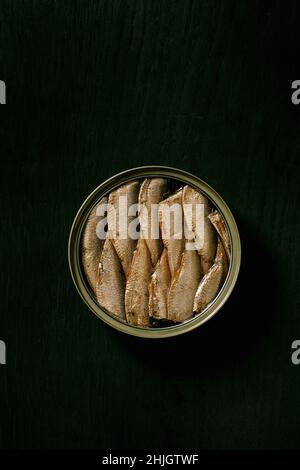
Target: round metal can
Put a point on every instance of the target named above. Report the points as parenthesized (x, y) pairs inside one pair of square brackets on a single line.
[(74, 250)]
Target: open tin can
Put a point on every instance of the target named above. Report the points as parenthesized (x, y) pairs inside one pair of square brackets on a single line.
[(180, 178)]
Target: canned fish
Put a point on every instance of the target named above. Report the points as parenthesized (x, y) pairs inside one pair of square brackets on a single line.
[(154, 252)]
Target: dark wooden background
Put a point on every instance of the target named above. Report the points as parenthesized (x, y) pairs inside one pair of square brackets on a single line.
[(95, 87)]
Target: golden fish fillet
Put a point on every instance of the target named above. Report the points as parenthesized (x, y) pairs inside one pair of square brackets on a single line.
[(92, 245), (110, 288), (152, 192), (184, 285), (117, 217), (219, 224), (221, 257), (212, 281), (137, 293), (159, 288), (172, 229), (203, 234)]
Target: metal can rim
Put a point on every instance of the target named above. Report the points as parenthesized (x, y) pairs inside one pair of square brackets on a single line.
[(111, 184)]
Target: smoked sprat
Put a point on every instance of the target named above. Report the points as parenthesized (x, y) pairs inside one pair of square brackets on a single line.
[(153, 279)]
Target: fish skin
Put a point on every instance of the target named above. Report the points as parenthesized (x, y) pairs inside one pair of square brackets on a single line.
[(212, 281), (184, 287), (123, 247), (208, 251), (110, 288), (92, 246), (174, 246), (137, 292), (152, 192), (221, 257), (208, 288), (159, 288), (219, 224)]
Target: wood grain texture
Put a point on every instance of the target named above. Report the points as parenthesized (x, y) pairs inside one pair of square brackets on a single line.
[(95, 87)]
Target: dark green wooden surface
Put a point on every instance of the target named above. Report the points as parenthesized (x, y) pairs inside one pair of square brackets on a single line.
[(95, 87)]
